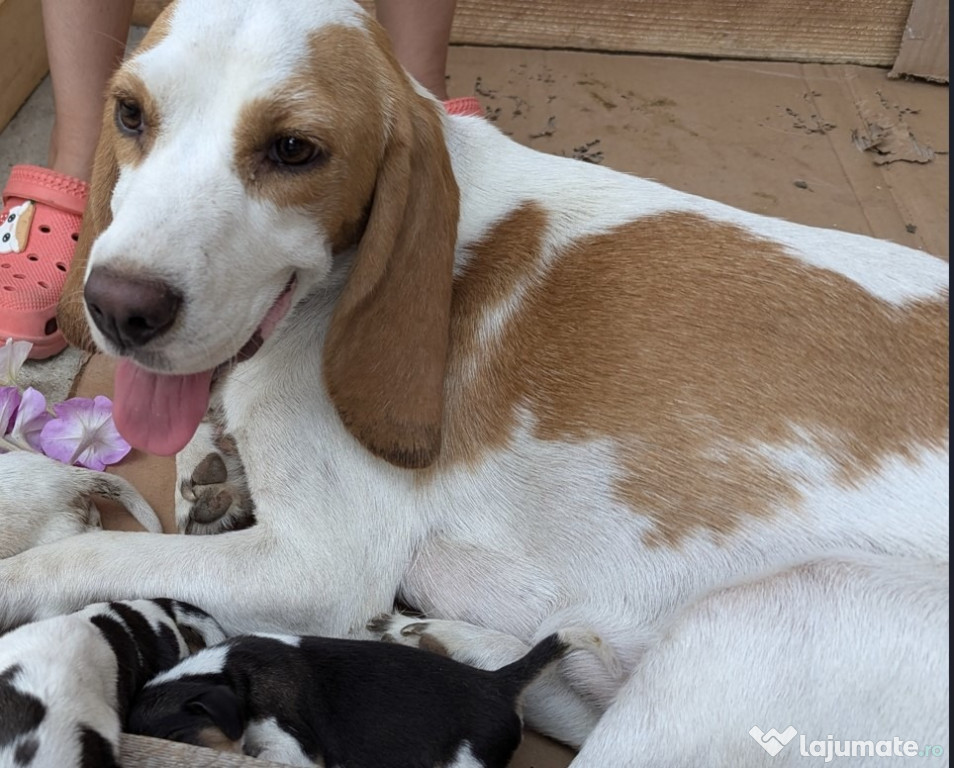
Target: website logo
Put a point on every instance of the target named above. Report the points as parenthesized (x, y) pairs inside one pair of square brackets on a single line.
[(829, 748), (772, 741)]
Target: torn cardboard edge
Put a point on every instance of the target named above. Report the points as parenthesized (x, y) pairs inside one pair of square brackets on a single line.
[(885, 132), (925, 44)]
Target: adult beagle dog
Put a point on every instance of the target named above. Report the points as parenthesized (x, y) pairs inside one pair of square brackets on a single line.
[(517, 391)]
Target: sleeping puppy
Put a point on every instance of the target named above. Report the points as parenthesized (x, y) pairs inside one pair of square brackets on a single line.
[(66, 682), (310, 701), (43, 500)]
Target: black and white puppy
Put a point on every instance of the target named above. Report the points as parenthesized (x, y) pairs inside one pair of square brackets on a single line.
[(66, 683), (309, 701)]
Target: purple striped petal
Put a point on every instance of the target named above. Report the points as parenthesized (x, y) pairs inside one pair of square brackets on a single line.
[(12, 356), (31, 417), (9, 402), (83, 433)]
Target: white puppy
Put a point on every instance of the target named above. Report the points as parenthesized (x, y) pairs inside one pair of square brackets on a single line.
[(42, 500)]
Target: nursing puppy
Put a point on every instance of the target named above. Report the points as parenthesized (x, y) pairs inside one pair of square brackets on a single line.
[(42, 500), (319, 701), (66, 683)]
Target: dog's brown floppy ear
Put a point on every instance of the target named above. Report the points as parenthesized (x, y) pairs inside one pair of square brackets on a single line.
[(69, 311), (386, 349)]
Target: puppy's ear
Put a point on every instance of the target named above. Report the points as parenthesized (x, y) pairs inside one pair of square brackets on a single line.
[(69, 312), (223, 708), (386, 349)]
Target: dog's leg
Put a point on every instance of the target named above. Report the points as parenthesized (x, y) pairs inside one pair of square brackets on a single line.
[(211, 493), (551, 705), (841, 649), (240, 578)]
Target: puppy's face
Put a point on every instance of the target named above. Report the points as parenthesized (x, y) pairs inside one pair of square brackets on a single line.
[(246, 145), (192, 711)]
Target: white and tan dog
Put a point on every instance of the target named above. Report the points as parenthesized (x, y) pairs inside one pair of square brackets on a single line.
[(516, 391)]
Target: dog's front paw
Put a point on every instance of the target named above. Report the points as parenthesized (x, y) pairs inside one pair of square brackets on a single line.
[(212, 495)]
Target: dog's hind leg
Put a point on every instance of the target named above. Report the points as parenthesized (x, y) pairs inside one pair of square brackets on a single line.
[(838, 649), (551, 705)]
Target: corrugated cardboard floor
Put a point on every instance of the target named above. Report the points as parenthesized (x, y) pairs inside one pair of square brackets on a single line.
[(769, 137), (833, 146)]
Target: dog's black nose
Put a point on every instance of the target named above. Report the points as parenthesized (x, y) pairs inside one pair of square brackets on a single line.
[(130, 310)]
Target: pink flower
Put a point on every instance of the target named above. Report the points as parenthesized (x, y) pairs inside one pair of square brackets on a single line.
[(30, 419), (83, 433)]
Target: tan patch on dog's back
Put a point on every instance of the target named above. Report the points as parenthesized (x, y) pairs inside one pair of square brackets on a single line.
[(691, 345), (501, 261)]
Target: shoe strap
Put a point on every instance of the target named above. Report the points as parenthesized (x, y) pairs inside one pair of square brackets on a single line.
[(464, 105), (31, 182)]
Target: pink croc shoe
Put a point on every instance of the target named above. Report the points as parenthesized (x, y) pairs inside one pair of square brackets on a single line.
[(39, 227)]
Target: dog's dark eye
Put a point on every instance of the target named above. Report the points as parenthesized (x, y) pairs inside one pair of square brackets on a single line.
[(129, 116), (293, 150)]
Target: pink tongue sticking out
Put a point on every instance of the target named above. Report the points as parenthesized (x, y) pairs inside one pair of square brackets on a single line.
[(159, 414), (156, 413)]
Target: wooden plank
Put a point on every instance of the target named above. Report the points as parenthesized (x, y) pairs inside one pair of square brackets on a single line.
[(24, 54), (925, 45), (146, 752), (846, 31), (832, 31)]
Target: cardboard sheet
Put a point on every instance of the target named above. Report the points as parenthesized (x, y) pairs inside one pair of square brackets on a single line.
[(844, 31), (925, 45), (24, 54), (769, 137)]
